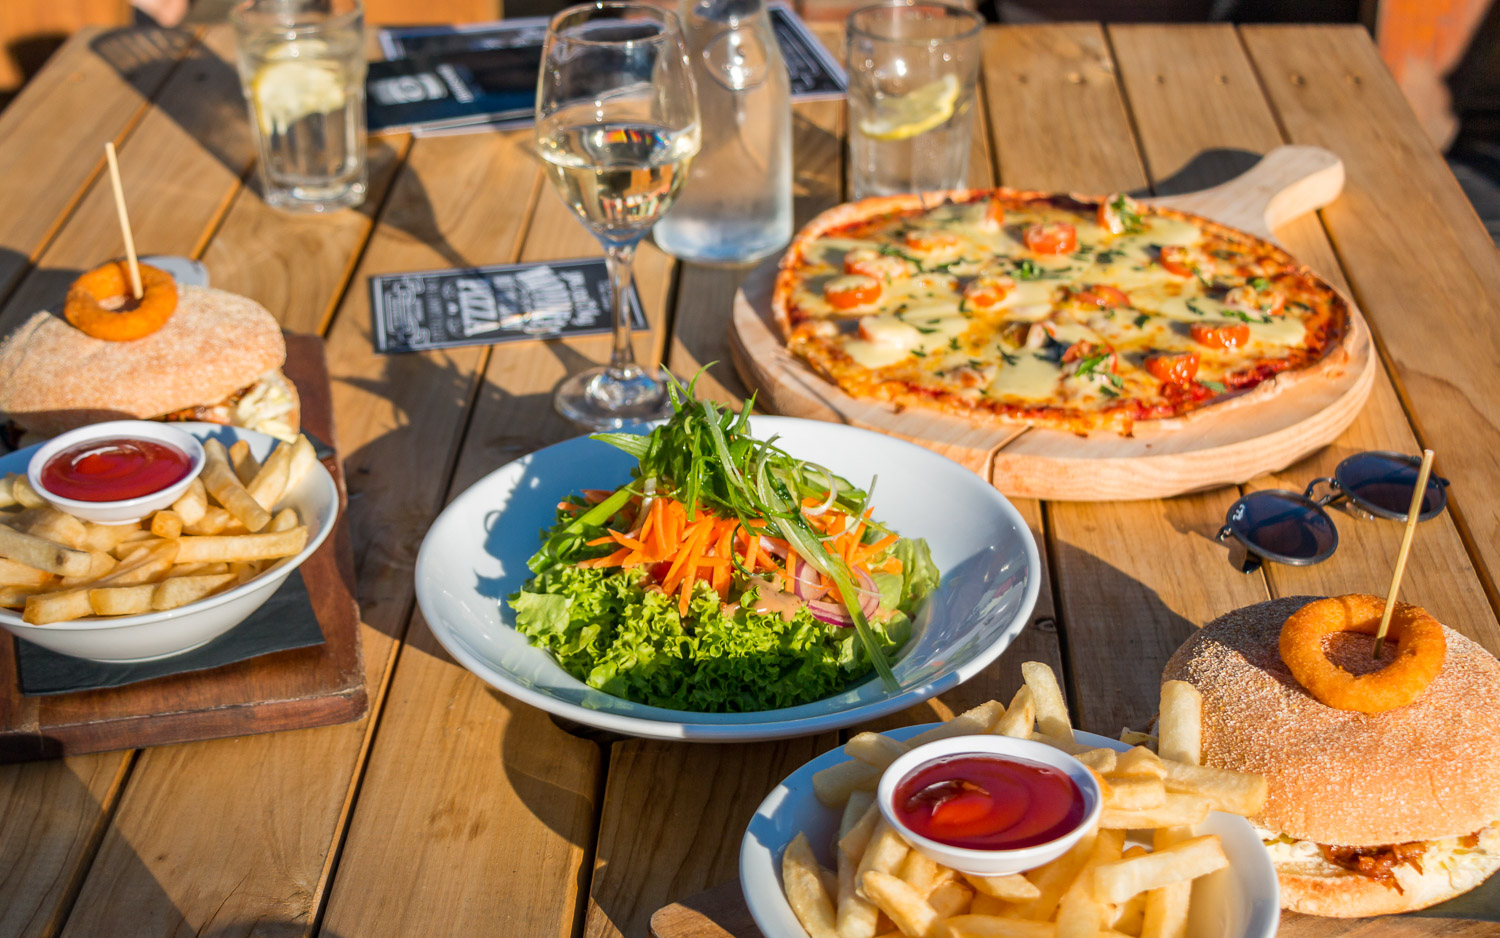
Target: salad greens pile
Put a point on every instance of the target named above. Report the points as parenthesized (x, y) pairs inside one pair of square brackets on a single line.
[(774, 588)]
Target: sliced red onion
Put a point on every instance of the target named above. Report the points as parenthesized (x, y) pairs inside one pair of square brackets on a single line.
[(830, 613)]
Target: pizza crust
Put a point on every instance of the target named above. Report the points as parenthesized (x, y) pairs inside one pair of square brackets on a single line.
[(1334, 360)]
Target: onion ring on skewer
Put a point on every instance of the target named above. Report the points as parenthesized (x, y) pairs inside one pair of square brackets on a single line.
[(99, 302), (1419, 657)]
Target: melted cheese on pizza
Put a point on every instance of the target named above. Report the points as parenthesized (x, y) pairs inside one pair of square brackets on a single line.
[(1125, 314)]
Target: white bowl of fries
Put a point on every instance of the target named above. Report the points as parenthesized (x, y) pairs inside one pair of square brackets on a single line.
[(819, 860), (178, 578)]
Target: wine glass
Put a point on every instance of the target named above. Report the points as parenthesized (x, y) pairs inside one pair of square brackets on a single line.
[(616, 124)]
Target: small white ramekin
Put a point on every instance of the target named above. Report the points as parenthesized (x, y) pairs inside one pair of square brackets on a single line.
[(125, 510), (989, 862)]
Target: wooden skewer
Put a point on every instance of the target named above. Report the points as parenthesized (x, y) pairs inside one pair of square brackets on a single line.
[(114, 178), (1411, 529)]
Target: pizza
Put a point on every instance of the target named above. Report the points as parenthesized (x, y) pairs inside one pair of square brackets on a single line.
[(1059, 311)]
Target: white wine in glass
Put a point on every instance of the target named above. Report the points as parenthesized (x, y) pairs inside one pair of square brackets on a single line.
[(617, 123)]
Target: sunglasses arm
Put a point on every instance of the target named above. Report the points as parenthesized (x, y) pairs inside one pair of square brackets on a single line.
[(1335, 492), (1244, 560)]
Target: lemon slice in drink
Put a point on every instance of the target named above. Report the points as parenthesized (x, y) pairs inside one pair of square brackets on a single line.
[(903, 116), (288, 90)]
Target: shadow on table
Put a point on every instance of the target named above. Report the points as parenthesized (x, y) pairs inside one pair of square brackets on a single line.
[(53, 805), (203, 97)]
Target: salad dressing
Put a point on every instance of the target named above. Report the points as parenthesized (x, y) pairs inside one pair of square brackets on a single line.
[(771, 601)]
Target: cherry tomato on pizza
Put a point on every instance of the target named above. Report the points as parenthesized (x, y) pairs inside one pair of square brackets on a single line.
[(1054, 237), (1229, 335), (1173, 367), (850, 291)]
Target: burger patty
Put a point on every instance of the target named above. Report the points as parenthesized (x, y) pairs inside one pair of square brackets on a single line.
[(209, 413), (1379, 863)]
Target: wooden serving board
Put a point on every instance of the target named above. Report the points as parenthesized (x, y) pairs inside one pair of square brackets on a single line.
[(1223, 447), (292, 689)]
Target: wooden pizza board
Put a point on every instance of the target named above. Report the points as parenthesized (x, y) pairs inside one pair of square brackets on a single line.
[(1228, 445), (292, 689)]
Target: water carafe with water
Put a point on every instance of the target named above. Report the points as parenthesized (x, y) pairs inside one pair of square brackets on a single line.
[(736, 206)]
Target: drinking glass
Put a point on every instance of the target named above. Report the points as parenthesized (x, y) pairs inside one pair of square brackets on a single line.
[(302, 68), (913, 67), (616, 123)]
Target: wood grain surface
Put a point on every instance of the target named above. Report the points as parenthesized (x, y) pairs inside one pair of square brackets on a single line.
[(452, 810)]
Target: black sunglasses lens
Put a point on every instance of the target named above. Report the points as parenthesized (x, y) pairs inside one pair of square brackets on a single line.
[(1283, 526), (1384, 482)]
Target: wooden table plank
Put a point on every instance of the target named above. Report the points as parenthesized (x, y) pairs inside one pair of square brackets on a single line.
[(1420, 262), (65, 813), (297, 266), (1192, 90), (501, 792), (95, 88), (1133, 578)]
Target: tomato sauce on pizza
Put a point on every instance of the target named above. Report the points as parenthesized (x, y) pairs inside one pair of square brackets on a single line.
[(1056, 311)]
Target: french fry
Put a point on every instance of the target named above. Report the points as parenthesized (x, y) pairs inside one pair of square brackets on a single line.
[(181, 590), (875, 749), (1241, 793), (60, 527), (225, 487), (884, 854), (284, 520), (1165, 911), (1180, 728), (271, 481), (1013, 888), (19, 574), (100, 564), (855, 809), (857, 839), (989, 905), (1136, 850), (245, 570), (14, 597), (1071, 747), (243, 547), (1129, 916), (855, 916), (166, 523), (804, 890), (919, 872), (244, 462), (1053, 879), (1175, 809), (972, 722), (830, 880), (1080, 914), (1130, 737), (1140, 761), (1134, 793), (107, 537), (121, 600), (1101, 761), (1182, 862), (147, 565), (950, 898), (7, 490), (134, 544), (213, 520), (197, 569), (44, 608), (1020, 718), (42, 554), (24, 494), (995, 926), (1051, 708), (303, 458), (192, 503), (913, 915), (833, 784)]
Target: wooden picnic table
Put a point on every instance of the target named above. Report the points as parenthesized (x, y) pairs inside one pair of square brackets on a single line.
[(454, 810)]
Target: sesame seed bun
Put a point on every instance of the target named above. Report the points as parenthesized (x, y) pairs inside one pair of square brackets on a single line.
[(58, 378), (1423, 772)]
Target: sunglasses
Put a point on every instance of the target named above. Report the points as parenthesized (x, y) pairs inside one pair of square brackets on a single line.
[(1285, 527)]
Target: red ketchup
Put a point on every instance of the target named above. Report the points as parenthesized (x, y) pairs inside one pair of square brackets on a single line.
[(989, 802), (112, 470)]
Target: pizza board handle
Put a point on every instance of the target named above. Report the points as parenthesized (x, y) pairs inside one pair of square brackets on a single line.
[(1288, 182)]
